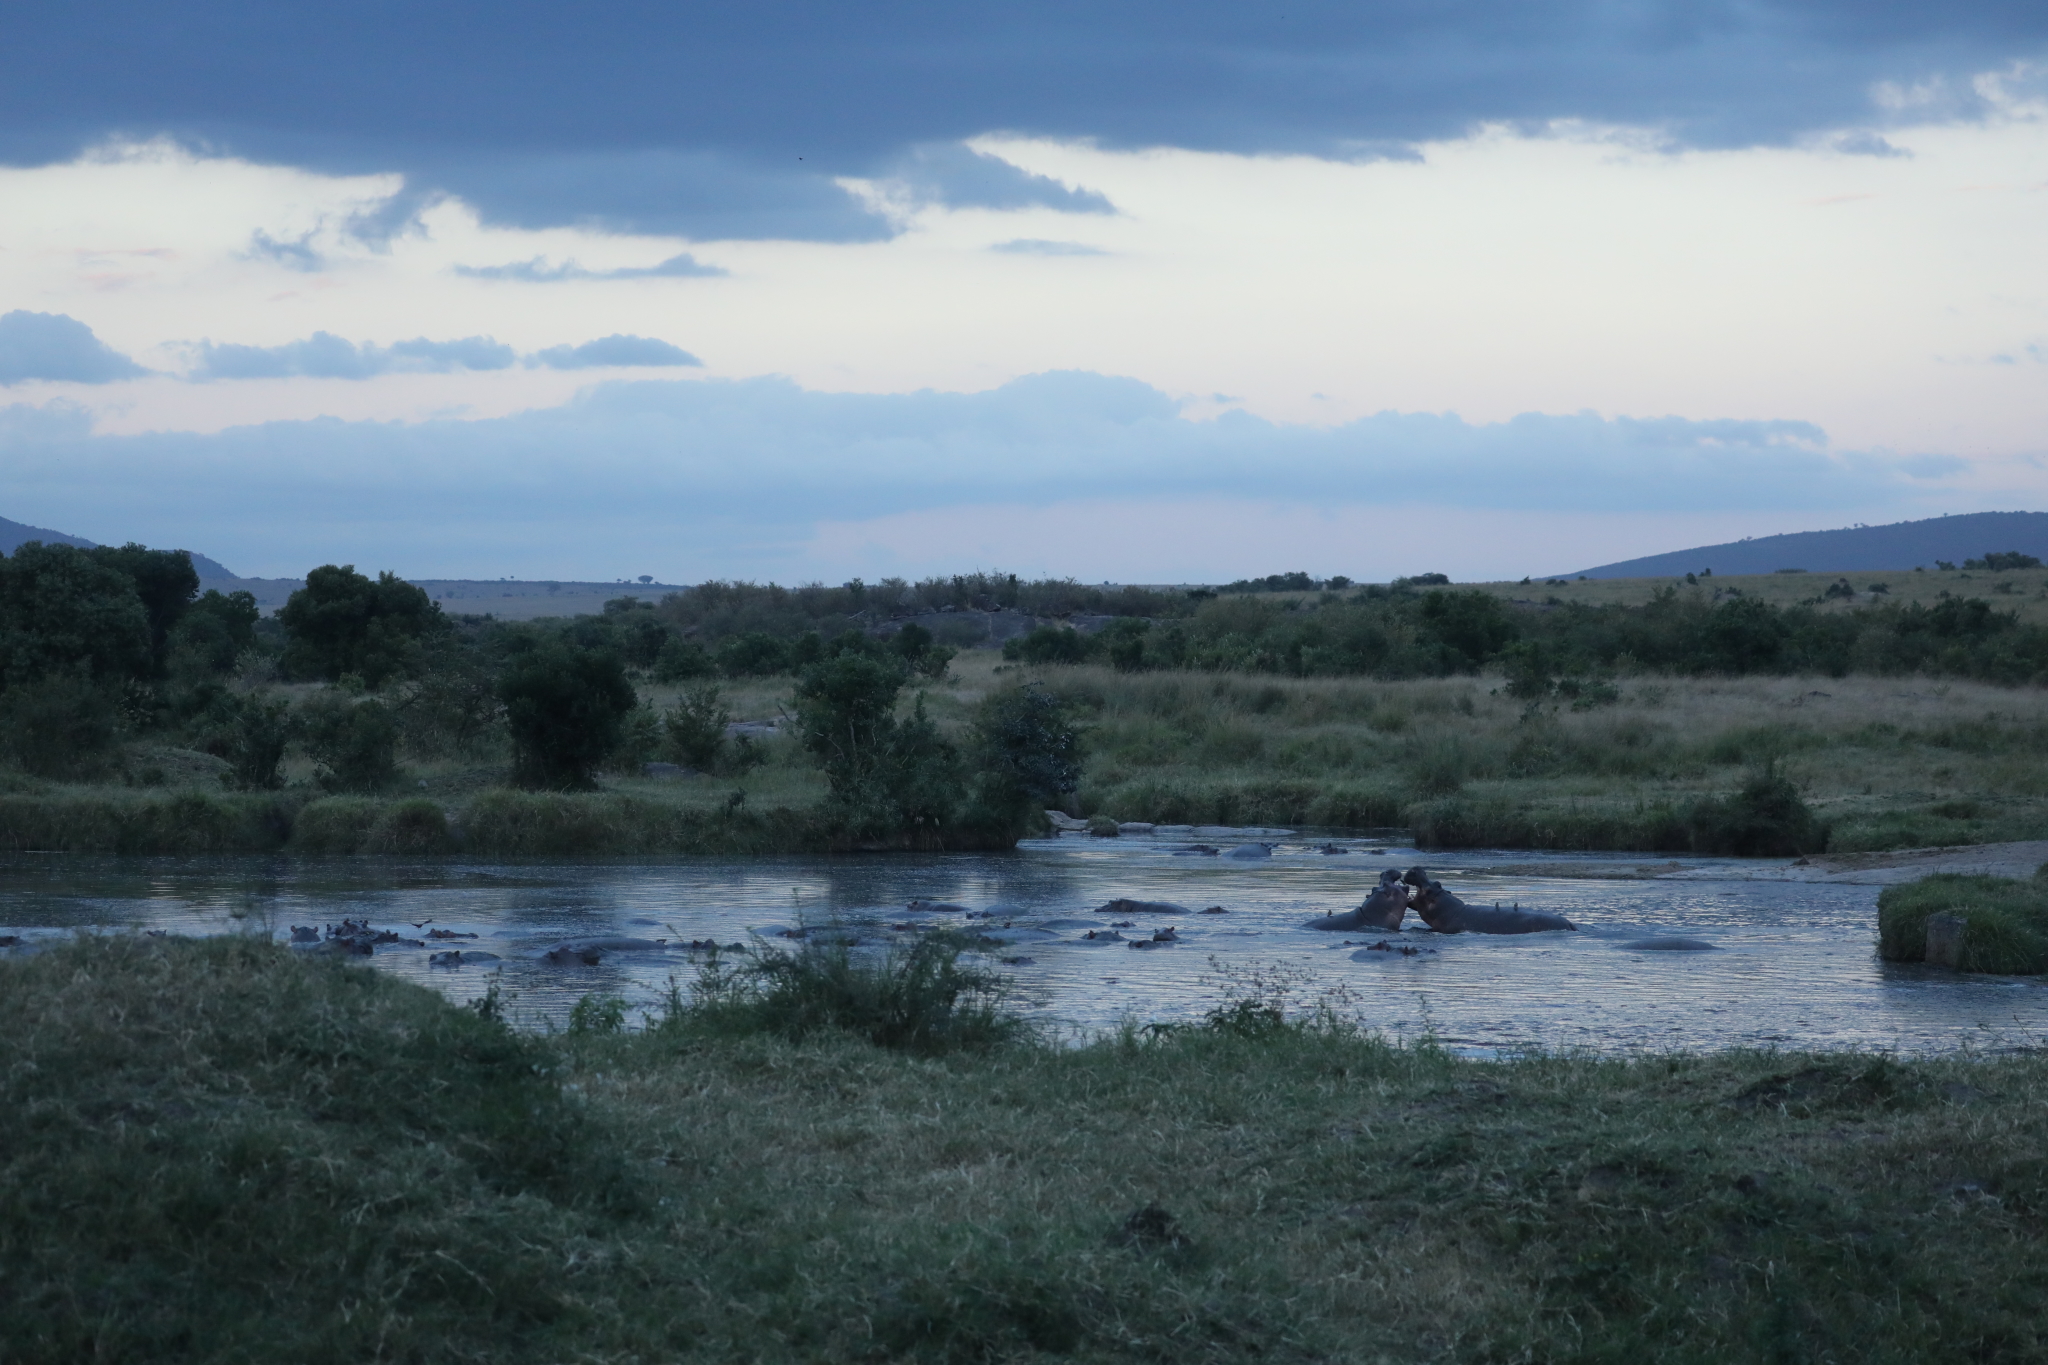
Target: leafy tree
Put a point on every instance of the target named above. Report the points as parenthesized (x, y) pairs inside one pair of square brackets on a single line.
[(1028, 753), (913, 644), (215, 631), (165, 583), (62, 611), (565, 707), (342, 622)]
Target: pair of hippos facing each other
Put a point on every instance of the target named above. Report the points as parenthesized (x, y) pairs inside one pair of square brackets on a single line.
[(1398, 893)]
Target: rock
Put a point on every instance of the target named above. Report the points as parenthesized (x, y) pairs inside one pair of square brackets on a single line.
[(1945, 940), (1064, 822), (1134, 827)]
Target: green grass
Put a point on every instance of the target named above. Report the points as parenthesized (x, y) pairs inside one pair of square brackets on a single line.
[(2007, 921), (215, 1151)]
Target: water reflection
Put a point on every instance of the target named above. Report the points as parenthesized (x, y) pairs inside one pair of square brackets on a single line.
[(1794, 965)]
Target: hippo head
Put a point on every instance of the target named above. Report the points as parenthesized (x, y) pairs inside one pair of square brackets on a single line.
[(1390, 877), (1416, 877)]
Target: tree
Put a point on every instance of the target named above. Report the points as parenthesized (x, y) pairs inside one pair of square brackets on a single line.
[(63, 611), (215, 631), (1028, 754), (342, 622), (165, 583), (565, 707)]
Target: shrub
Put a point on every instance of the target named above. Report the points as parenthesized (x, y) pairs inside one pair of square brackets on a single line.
[(257, 732), (354, 742), (680, 659), (1027, 754), (1767, 818), (413, 826), (752, 655), (58, 725), (1048, 645), (2005, 929), (564, 707), (917, 999), (334, 824), (694, 728), (887, 778)]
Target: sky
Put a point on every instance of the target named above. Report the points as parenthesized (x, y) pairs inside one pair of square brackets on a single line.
[(798, 291)]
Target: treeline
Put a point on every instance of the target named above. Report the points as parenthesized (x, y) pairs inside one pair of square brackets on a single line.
[(1404, 631), (101, 646)]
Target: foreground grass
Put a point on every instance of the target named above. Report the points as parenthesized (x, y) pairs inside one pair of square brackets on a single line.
[(214, 1151)]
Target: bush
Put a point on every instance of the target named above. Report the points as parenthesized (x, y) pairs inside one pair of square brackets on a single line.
[(564, 707), (257, 732), (1767, 818), (2006, 921), (917, 999), (354, 742), (888, 779), (1048, 645), (694, 728), (680, 659), (1027, 754), (58, 725), (753, 655)]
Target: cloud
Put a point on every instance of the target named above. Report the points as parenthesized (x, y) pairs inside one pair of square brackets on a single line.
[(616, 349), (1038, 246), (326, 356), (736, 123), (956, 175), (740, 471), (538, 271), (1863, 142), (57, 346), (294, 254)]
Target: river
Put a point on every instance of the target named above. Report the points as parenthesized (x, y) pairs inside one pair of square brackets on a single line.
[(1794, 964)]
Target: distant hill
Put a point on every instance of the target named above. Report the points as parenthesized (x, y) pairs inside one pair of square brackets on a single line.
[(1856, 549), (14, 535)]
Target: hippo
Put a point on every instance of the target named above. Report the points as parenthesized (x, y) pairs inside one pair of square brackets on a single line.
[(591, 951), (1446, 914), (922, 907), (1670, 945), (1382, 909), (1125, 906), (1251, 851)]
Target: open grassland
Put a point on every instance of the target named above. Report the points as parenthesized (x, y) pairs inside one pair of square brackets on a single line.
[(212, 1151)]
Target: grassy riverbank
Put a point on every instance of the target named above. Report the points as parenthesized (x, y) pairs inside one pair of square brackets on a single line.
[(215, 1151), (1659, 764)]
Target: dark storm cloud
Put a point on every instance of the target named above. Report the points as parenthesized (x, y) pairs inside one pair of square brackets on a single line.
[(730, 120), (60, 347)]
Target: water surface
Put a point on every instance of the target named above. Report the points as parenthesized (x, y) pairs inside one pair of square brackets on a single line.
[(1794, 966)]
